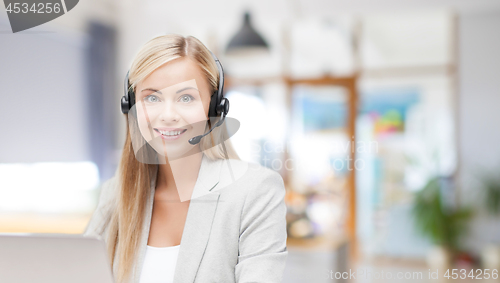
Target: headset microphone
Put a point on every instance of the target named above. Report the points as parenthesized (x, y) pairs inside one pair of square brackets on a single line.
[(225, 104)]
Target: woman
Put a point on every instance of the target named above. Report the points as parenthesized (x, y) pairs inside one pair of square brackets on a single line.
[(181, 209)]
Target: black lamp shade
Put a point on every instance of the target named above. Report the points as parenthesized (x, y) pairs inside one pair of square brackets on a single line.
[(246, 37)]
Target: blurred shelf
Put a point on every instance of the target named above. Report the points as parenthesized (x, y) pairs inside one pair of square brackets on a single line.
[(44, 223), (391, 261), (317, 243)]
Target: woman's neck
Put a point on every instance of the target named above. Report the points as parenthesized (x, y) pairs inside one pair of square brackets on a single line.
[(176, 178)]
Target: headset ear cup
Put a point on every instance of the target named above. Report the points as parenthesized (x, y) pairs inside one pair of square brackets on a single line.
[(226, 106), (127, 102), (125, 105), (223, 107), (126, 99), (212, 112), (131, 98)]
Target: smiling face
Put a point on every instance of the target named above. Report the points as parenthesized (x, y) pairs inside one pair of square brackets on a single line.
[(172, 106)]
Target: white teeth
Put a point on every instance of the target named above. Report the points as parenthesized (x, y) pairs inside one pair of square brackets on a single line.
[(170, 133)]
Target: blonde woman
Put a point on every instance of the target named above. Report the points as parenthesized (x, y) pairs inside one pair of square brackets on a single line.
[(182, 207)]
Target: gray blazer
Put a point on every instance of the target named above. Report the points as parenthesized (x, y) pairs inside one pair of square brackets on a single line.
[(235, 229)]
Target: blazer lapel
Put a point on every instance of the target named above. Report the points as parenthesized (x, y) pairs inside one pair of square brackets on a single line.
[(199, 220), (195, 237)]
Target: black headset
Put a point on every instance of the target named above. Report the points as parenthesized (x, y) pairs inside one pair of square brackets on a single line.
[(219, 105)]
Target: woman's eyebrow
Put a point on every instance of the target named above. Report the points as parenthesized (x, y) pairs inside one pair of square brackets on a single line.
[(183, 89), (152, 89), (180, 90)]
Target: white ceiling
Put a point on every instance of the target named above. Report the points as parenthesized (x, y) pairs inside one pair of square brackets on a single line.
[(285, 8)]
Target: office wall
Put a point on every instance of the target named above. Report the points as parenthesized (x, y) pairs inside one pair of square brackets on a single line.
[(479, 99), (58, 87), (43, 110)]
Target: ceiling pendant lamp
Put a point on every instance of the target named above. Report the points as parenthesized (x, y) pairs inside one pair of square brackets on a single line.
[(246, 40)]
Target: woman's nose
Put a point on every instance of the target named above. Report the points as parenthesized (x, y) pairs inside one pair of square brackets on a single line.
[(169, 112)]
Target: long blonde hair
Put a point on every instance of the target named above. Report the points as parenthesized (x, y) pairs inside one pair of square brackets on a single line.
[(124, 237)]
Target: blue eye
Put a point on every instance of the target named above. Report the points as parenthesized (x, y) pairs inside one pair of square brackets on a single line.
[(151, 98), (186, 98)]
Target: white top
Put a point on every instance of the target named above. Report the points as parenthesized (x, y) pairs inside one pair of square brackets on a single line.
[(159, 264)]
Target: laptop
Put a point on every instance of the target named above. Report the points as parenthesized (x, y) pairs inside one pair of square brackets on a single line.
[(53, 258)]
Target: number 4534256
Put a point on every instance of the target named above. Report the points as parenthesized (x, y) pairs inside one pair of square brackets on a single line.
[(39, 8), (479, 274)]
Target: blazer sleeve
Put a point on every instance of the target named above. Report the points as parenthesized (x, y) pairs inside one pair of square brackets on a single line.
[(262, 245), (101, 215)]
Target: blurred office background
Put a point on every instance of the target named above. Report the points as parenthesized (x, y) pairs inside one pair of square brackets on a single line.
[(381, 116)]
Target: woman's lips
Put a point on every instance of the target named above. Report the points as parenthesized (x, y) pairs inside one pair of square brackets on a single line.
[(170, 134)]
